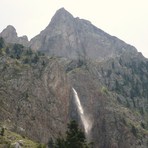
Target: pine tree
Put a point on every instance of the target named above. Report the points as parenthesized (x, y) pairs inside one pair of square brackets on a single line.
[(2, 131), (1, 42), (75, 138)]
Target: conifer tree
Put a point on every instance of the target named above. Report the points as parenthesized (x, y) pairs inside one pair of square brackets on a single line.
[(75, 138)]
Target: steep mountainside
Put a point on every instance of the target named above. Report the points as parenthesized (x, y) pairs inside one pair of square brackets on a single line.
[(76, 38), (118, 110), (109, 76), (37, 100), (34, 93)]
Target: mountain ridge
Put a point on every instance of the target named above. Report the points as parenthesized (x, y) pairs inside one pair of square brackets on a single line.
[(73, 38)]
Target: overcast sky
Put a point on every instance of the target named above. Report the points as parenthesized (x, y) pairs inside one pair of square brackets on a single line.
[(125, 19)]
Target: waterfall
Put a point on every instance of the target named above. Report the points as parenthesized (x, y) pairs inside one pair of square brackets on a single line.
[(85, 121)]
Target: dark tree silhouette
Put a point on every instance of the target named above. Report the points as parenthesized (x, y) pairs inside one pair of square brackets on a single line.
[(75, 138)]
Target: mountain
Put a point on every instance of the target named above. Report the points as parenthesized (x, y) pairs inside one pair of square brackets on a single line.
[(75, 38), (110, 79), (10, 35), (72, 38), (114, 96), (33, 93)]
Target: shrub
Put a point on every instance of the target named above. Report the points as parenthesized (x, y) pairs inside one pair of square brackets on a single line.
[(2, 131)]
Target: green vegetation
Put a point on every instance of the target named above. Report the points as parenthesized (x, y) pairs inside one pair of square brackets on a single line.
[(21, 53), (1, 43), (9, 139), (41, 146), (2, 130), (128, 78), (75, 138), (104, 90), (134, 130)]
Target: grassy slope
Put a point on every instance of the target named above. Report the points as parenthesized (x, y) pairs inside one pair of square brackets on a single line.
[(10, 138)]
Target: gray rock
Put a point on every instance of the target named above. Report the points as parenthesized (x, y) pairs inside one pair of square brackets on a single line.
[(72, 38), (10, 35), (76, 38)]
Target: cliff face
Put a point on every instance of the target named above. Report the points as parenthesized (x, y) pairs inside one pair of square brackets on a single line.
[(34, 98), (116, 109), (110, 77), (76, 38), (10, 35), (72, 38)]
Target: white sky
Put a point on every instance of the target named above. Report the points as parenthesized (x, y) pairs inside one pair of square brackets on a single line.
[(125, 19)]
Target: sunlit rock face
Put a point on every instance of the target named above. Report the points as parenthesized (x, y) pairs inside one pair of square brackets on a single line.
[(76, 38), (72, 38)]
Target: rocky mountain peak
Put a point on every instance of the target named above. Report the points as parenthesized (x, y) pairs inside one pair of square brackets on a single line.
[(9, 32), (10, 35), (61, 18), (10, 28), (72, 38), (63, 12), (75, 38)]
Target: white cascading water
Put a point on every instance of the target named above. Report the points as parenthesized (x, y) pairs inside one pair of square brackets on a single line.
[(86, 123)]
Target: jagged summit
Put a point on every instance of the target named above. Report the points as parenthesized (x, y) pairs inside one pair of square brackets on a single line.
[(74, 38), (9, 32), (62, 11), (61, 17), (10, 35), (11, 28)]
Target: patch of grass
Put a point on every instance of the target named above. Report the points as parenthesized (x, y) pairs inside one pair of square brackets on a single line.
[(10, 138), (104, 90)]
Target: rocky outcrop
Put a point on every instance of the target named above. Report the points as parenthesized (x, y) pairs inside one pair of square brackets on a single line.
[(34, 99), (10, 35), (14, 140), (76, 38), (112, 103)]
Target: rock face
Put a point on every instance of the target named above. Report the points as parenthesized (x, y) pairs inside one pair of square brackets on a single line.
[(72, 38), (10, 35), (110, 77), (34, 100), (76, 38), (113, 95)]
